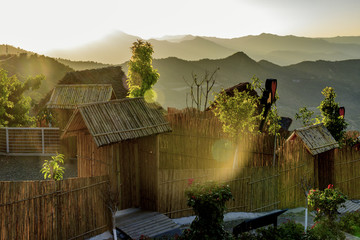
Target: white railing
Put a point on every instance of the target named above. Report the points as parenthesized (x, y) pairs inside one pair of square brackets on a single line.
[(29, 141)]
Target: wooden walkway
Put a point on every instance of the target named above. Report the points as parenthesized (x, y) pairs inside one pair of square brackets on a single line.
[(135, 223)]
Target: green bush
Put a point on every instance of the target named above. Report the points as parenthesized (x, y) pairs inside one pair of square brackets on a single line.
[(325, 230), (326, 202), (208, 201), (286, 231), (350, 223)]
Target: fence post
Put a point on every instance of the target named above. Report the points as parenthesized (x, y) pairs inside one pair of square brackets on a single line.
[(42, 141), (7, 140)]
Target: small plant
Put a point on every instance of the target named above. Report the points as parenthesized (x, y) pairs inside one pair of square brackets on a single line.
[(51, 168), (208, 201), (326, 202), (350, 223)]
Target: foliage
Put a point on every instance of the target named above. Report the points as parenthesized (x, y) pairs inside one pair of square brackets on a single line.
[(332, 120), (197, 95), (330, 116), (141, 75), (350, 223), (238, 113), (352, 138), (52, 169), (14, 106), (305, 115), (273, 121), (325, 230), (47, 116), (243, 112), (208, 202), (326, 202), (286, 231)]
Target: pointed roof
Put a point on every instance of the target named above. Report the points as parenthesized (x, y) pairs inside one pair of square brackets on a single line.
[(317, 138), (117, 120), (72, 95)]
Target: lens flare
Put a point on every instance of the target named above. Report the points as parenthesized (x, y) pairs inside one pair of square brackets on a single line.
[(150, 96), (222, 150)]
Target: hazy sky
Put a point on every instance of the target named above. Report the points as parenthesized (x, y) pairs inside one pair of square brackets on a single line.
[(42, 25)]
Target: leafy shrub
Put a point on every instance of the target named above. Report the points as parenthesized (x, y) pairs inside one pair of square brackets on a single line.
[(326, 202), (325, 230), (350, 223), (208, 201), (286, 231)]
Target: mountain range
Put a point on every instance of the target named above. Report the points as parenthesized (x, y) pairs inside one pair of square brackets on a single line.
[(298, 85), (301, 77), (281, 50)]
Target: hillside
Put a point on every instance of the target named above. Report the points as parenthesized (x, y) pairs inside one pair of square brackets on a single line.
[(282, 50), (24, 66), (298, 85), (82, 65)]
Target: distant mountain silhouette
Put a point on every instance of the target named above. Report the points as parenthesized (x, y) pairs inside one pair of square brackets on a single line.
[(282, 50), (298, 85)]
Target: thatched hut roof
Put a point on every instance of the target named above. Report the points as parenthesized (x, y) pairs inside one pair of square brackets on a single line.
[(117, 120), (108, 75), (70, 96), (317, 138)]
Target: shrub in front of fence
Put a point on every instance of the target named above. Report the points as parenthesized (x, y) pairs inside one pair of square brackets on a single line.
[(208, 202), (326, 204)]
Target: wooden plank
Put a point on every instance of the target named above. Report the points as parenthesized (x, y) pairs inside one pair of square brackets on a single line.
[(135, 222)]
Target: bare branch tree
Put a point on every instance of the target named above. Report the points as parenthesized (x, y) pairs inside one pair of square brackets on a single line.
[(197, 91)]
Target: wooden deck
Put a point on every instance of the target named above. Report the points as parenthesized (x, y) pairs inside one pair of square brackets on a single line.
[(135, 222)]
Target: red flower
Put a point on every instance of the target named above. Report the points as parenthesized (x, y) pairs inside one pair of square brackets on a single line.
[(330, 186), (190, 181)]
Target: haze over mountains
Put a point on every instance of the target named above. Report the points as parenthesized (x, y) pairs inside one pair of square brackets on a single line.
[(294, 61), (281, 50)]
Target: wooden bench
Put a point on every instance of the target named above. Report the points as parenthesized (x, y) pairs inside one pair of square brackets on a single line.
[(254, 223)]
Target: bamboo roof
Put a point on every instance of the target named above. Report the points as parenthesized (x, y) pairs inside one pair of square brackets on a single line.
[(317, 138), (72, 95), (117, 120)]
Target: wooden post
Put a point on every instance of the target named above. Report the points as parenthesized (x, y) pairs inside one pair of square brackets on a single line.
[(42, 141), (137, 174), (157, 159), (7, 140)]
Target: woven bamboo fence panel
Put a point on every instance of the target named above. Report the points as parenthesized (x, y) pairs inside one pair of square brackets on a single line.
[(295, 164), (67, 209), (198, 149), (347, 171)]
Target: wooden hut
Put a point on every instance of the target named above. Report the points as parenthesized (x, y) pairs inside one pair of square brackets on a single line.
[(320, 143), (65, 98), (119, 138)]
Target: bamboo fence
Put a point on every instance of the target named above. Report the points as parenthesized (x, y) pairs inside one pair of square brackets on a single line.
[(67, 209), (347, 171), (198, 149)]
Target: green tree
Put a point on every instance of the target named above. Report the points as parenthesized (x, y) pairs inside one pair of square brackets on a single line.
[(242, 112), (141, 75), (330, 116), (305, 115), (14, 106)]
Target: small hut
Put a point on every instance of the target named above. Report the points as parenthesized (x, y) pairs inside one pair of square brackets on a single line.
[(320, 143), (119, 138), (65, 98)]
